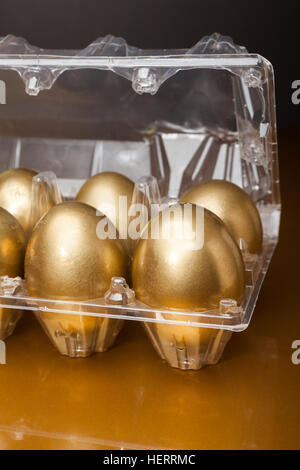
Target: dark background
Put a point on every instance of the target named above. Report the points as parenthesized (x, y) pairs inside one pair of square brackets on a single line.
[(268, 27)]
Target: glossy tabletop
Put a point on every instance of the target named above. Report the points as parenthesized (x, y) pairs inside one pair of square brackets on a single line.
[(128, 398)]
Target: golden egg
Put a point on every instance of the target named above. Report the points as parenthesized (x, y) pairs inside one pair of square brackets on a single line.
[(66, 260), (16, 196), (183, 274), (175, 273), (12, 245), (12, 251), (233, 205), (103, 191)]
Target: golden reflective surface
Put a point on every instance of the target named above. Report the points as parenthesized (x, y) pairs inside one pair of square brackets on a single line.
[(102, 191), (187, 270), (12, 252), (12, 245), (129, 398), (16, 194), (233, 206), (17, 197), (66, 260)]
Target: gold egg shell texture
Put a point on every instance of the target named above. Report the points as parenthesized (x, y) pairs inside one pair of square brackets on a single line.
[(234, 206), (175, 274), (12, 251), (16, 195), (66, 260), (12, 245), (102, 191)]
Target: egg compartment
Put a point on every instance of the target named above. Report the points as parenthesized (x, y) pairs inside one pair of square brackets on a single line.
[(187, 340), (181, 117), (79, 334), (9, 317)]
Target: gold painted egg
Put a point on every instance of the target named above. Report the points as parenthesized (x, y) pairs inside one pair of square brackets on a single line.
[(66, 260), (103, 191), (16, 196), (12, 252), (234, 206), (12, 245), (183, 274)]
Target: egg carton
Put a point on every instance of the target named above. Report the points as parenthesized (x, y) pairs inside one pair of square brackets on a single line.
[(167, 120), (78, 329)]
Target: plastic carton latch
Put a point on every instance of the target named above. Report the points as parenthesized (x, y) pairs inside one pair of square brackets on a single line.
[(144, 80), (37, 79)]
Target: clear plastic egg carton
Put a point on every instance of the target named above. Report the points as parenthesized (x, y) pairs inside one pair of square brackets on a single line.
[(167, 120)]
